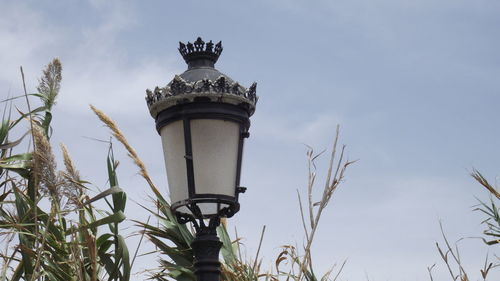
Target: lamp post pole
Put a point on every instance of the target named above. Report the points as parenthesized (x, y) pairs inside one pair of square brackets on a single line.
[(203, 118), (206, 247)]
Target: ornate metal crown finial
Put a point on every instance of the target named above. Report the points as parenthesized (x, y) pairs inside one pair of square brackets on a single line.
[(201, 85), (200, 50)]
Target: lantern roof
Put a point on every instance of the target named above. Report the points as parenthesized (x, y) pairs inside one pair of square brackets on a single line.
[(201, 82)]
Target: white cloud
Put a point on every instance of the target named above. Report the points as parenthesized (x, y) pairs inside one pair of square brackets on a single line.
[(110, 84), (26, 36), (96, 69)]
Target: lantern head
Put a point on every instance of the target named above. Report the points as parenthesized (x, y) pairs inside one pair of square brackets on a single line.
[(203, 117)]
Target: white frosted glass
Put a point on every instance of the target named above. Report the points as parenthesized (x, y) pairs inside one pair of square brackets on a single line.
[(215, 156), (210, 208), (184, 209), (172, 137)]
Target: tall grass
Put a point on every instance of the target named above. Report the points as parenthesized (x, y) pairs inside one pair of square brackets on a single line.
[(50, 226)]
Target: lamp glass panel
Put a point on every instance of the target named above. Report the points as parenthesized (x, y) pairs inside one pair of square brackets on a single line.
[(209, 209), (172, 136), (215, 155)]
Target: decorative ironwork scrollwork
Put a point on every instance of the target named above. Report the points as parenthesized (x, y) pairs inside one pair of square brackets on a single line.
[(252, 93), (218, 48), (178, 86), (198, 44), (221, 85), (210, 46)]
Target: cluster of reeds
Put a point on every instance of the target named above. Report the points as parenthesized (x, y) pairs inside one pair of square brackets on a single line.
[(49, 224)]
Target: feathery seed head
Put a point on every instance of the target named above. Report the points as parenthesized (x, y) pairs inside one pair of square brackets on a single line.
[(50, 83), (44, 163)]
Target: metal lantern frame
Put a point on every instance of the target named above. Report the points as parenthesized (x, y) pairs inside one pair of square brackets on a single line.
[(200, 109), (203, 93)]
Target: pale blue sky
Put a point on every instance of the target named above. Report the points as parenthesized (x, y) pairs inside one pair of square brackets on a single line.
[(414, 84)]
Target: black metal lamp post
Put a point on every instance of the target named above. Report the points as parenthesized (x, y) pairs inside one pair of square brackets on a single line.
[(203, 117)]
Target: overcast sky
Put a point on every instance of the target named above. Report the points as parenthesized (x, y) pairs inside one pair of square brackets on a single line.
[(414, 84)]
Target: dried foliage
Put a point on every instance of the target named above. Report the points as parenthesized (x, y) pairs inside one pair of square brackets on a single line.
[(482, 180), (450, 254), (45, 168), (117, 133), (491, 210), (74, 190), (302, 265), (50, 83)]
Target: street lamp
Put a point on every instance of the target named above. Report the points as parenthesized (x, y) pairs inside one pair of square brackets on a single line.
[(203, 117)]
